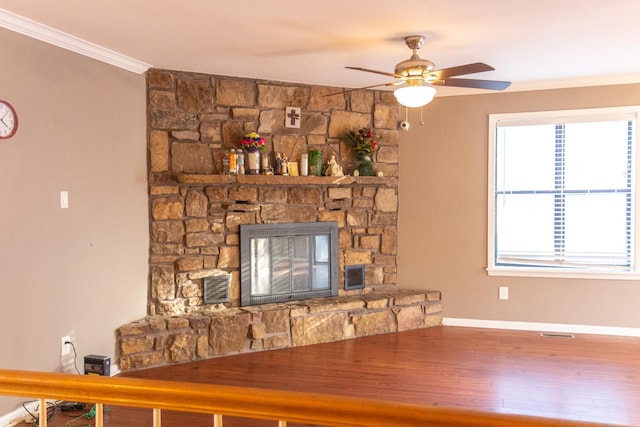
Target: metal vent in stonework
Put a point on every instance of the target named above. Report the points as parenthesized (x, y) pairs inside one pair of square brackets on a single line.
[(216, 288), (354, 277)]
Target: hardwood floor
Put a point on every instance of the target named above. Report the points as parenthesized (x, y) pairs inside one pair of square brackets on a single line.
[(588, 377)]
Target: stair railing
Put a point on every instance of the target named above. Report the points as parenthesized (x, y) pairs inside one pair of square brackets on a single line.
[(219, 400)]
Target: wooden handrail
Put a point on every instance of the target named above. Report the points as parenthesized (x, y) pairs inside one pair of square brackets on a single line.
[(248, 402)]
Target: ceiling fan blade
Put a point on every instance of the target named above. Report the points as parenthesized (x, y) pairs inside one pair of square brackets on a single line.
[(473, 83), (384, 73), (476, 67), (365, 87)]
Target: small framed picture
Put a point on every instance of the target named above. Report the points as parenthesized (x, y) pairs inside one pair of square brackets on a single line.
[(292, 117)]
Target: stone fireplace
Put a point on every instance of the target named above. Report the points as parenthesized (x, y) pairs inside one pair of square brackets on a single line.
[(196, 215)]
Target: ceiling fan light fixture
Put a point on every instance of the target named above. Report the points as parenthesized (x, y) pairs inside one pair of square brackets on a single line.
[(414, 96)]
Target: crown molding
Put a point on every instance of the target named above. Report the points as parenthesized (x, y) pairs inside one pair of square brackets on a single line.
[(41, 32)]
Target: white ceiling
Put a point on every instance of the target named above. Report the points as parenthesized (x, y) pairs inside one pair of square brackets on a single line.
[(535, 44)]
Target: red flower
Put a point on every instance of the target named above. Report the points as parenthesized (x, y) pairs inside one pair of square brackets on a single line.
[(253, 141)]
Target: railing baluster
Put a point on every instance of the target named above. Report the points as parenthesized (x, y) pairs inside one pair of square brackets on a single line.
[(99, 414), (217, 420), (42, 422), (157, 421)]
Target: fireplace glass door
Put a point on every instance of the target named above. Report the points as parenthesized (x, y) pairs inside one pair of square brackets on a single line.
[(285, 263), (282, 265)]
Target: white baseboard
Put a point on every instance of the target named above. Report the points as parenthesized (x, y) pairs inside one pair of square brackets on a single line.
[(542, 327), (115, 370)]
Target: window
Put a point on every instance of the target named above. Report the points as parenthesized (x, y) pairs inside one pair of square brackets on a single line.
[(562, 199)]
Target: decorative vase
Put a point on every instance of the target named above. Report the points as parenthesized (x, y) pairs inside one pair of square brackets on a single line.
[(315, 162), (365, 166), (253, 162), (265, 164)]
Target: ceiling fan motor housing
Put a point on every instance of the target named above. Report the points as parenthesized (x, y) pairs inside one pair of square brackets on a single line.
[(414, 67)]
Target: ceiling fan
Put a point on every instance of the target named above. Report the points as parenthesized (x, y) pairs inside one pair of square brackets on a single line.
[(419, 76)]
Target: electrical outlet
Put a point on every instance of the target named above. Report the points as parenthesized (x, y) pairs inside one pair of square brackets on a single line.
[(503, 292), (65, 348)]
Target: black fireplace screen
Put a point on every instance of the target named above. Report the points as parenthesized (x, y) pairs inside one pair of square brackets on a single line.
[(284, 262)]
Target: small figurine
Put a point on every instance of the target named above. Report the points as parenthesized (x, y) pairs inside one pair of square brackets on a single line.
[(278, 168), (333, 168)]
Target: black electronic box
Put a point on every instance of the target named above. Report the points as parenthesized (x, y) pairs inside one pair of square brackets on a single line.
[(97, 365)]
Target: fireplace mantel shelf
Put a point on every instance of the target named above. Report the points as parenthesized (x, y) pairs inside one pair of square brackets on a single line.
[(202, 179)]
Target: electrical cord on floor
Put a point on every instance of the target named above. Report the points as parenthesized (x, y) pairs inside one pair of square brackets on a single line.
[(57, 407), (52, 411), (53, 408), (87, 415)]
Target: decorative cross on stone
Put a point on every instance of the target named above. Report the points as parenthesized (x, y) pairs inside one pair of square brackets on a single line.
[(292, 117)]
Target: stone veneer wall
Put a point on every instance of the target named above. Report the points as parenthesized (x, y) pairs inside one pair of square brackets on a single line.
[(195, 214)]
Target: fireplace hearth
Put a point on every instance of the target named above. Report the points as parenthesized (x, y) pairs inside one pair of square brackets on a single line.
[(164, 340)]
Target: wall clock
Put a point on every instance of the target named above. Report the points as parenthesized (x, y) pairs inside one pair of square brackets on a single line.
[(8, 120)]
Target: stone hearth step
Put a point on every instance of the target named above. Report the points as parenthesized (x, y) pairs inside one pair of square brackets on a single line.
[(217, 331)]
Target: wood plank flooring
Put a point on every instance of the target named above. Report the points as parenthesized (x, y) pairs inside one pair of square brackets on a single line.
[(588, 377)]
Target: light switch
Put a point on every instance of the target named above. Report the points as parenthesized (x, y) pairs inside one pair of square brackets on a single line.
[(64, 199)]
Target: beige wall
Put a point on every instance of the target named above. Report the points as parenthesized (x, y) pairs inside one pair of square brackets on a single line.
[(443, 216), (80, 271)]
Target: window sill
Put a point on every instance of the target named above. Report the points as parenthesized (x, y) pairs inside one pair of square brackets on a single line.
[(561, 274)]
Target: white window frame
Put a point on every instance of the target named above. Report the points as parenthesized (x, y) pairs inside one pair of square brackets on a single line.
[(544, 117)]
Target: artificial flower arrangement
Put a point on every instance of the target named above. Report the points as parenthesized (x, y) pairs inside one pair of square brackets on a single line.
[(364, 145), (253, 142), (363, 142)]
